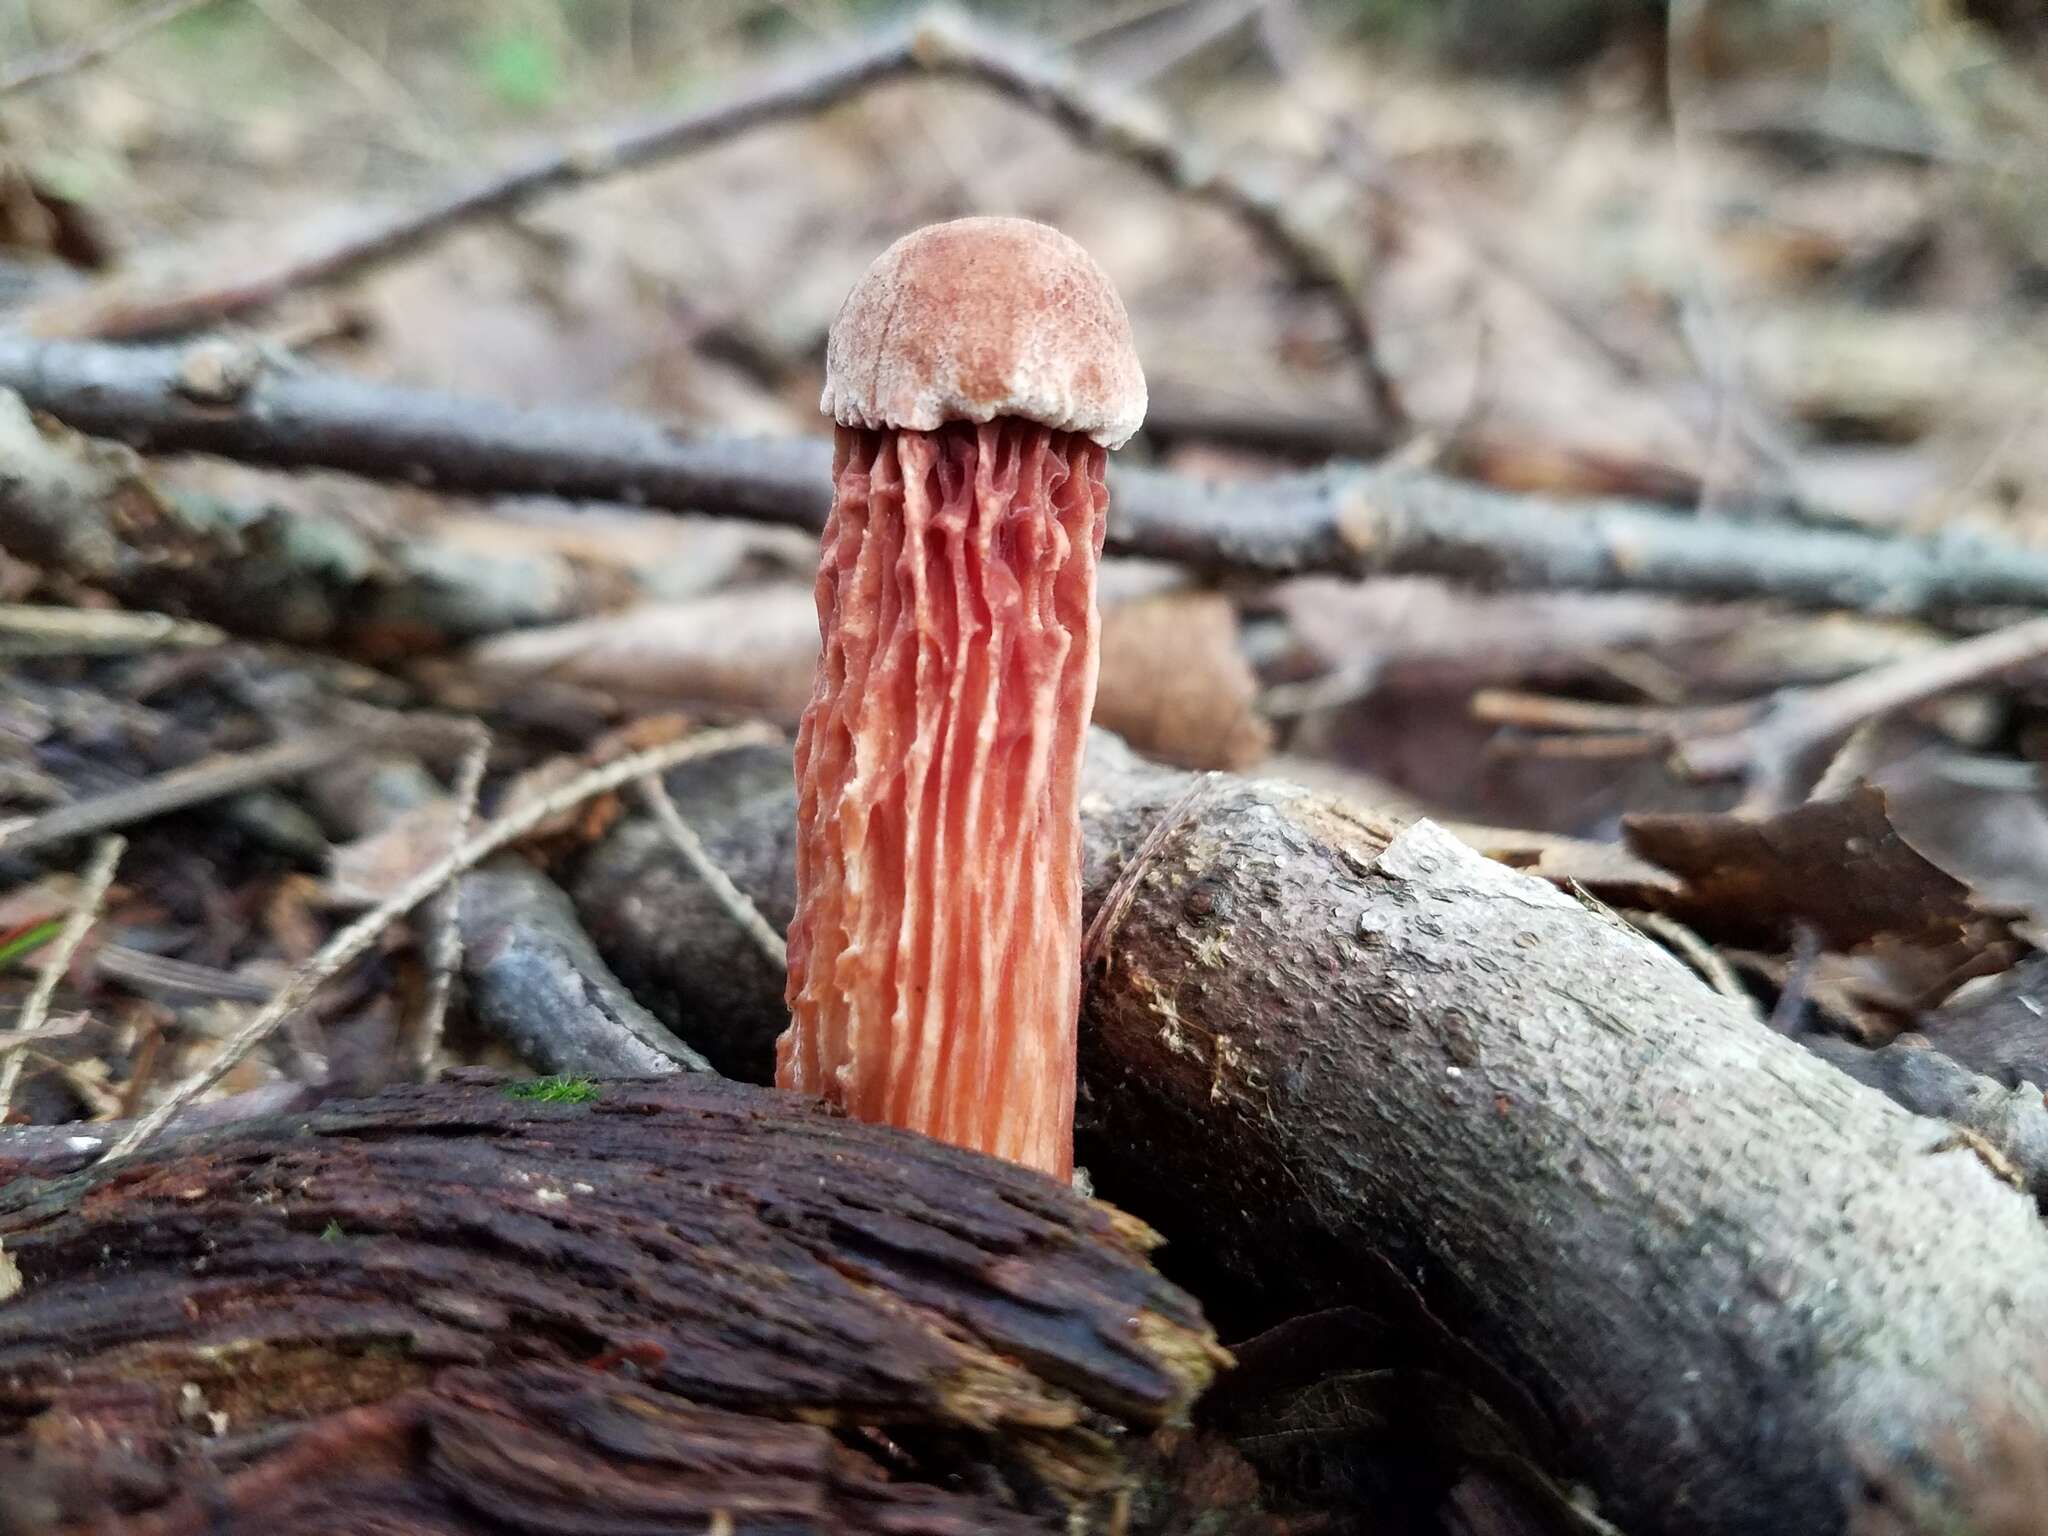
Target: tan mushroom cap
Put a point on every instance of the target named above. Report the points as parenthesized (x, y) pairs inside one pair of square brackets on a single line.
[(980, 318)]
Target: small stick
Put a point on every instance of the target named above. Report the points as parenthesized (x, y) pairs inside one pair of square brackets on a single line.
[(1713, 968), (445, 949), (99, 876), (41, 68), (209, 779), (1544, 712), (33, 629), (1345, 520), (738, 906), (1116, 901), (351, 941), (1804, 718)]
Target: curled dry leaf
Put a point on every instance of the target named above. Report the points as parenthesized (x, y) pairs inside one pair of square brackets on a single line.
[(1175, 683), (1839, 867)]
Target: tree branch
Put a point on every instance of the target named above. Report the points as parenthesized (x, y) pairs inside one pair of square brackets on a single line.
[(1346, 520)]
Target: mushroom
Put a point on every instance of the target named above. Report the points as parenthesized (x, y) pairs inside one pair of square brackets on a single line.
[(978, 373)]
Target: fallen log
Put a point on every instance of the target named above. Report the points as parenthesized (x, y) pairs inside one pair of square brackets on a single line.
[(1339, 1062), (654, 1304)]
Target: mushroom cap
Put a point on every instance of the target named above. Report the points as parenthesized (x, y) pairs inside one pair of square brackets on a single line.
[(979, 318)]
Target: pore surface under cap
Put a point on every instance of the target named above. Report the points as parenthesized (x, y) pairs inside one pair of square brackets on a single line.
[(980, 318)]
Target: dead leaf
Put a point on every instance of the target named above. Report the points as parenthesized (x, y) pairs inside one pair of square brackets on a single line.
[(373, 868), (1176, 685), (1837, 866)]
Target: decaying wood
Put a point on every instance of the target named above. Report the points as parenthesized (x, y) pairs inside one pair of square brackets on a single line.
[(1321, 1054), (1345, 520), (448, 1308)]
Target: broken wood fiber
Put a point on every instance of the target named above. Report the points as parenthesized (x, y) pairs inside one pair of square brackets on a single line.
[(833, 1326), (1716, 1280)]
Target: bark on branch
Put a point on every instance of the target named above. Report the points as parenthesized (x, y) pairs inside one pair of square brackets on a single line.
[(428, 1310), (1320, 1053), (1348, 520), (88, 510)]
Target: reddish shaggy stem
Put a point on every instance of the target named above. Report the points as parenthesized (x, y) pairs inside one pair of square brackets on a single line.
[(934, 963)]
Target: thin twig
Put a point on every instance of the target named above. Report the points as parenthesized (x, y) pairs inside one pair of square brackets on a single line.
[(1851, 764), (1763, 742), (85, 911), (1790, 1006), (35, 629), (945, 44), (21, 1039), (1546, 712), (41, 68), (210, 779), (939, 44), (1116, 901), (1771, 743), (1343, 520), (353, 940), (1712, 967), (737, 904), (445, 947), (111, 310)]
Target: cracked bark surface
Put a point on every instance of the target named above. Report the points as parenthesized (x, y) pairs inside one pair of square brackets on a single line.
[(455, 1310)]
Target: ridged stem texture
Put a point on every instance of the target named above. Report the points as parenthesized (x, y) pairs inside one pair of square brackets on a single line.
[(934, 962)]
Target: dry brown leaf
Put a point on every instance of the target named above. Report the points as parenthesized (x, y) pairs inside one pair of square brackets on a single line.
[(372, 868), (1837, 866), (1175, 684)]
